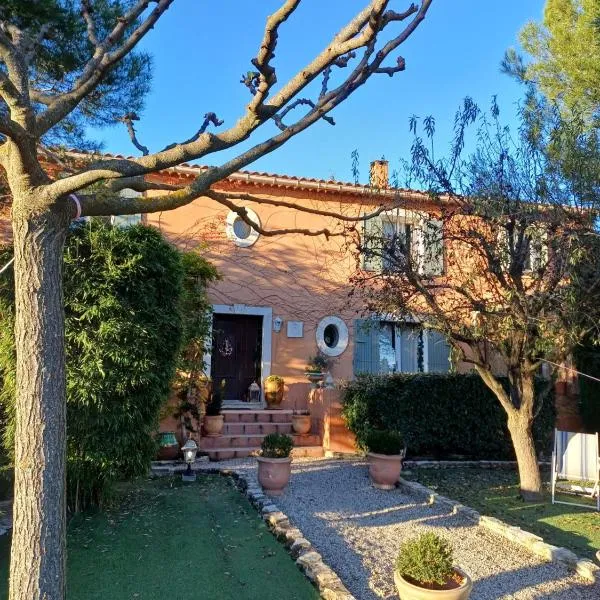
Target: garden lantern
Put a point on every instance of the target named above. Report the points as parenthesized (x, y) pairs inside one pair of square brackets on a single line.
[(189, 449), (254, 392)]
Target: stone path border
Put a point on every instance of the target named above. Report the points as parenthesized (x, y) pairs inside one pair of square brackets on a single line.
[(583, 567), (462, 464), (309, 561)]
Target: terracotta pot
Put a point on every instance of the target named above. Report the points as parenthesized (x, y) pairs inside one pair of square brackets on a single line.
[(274, 474), (384, 470), (168, 446), (213, 425), (301, 424), (273, 393), (409, 591)]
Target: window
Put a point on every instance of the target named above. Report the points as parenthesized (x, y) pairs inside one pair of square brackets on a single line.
[(332, 336), (394, 234), (127, 220), (536, 257), (389, 347), (240, 232)]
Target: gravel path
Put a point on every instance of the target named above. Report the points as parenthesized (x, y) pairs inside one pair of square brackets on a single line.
[(358, 529)]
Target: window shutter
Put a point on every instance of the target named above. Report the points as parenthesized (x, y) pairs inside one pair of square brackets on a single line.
[(433, 244), (371, 245), (366, 347), (438, 352), (409, 349)]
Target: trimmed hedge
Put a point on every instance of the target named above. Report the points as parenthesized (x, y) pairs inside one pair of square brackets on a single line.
[(439, 415)]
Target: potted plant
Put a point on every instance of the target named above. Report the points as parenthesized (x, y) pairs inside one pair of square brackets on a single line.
[(274, 391), (316, 368), (275, 463), (384, 454), (168, 446), (213, 419), (425, 570), (301, 422)]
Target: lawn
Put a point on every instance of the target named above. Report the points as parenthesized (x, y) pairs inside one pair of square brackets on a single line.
[(495, 493), (172, 540)]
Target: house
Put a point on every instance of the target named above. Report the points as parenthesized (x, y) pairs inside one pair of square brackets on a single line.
[(284, 298)]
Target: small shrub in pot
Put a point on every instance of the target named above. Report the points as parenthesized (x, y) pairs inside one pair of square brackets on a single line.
[(384, 453), (425, 568), (213, 419), (275, 463)]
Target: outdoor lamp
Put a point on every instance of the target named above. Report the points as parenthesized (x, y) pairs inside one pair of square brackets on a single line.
[(189, 449), (254, 392)]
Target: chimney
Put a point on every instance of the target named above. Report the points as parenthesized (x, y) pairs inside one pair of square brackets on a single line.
[(379, 175)]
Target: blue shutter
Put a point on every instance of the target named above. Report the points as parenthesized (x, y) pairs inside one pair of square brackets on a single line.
[(371, 245), (366, 347), (409, 348), (438, 352)]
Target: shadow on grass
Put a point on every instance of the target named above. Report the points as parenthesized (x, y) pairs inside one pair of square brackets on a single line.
[(495, 493)]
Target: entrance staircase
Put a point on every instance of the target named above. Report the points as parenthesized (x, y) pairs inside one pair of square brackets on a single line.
[(244, 430)]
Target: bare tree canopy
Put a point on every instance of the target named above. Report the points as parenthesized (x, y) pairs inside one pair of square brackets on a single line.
[(68, 63), (507, 264)]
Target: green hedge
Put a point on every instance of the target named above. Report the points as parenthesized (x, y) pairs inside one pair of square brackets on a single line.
[(439, 416)]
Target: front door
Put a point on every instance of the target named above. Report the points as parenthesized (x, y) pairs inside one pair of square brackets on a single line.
[(236, 353)]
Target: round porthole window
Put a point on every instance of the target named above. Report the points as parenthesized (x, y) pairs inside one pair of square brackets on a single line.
[(332, 336), (240, 232)]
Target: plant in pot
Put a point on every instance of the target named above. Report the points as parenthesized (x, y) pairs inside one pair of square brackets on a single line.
[(275, 463), (274, 386), (385, 452), (316, 368), (425, 569), (213, 419), (301, 422)]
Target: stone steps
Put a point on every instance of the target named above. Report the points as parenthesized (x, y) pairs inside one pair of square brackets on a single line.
[(244, 431), (215, 454)]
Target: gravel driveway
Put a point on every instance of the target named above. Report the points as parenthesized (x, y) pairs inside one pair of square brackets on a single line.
[(358, 529)]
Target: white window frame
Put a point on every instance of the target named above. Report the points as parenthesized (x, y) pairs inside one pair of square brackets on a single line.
[(230, 220), (343, 336)]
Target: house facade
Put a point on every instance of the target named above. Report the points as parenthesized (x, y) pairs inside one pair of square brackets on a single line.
[(282, 299)]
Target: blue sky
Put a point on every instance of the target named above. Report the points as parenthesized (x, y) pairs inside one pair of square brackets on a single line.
[(200, 52)]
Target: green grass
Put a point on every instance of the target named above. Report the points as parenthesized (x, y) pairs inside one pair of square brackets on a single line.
[(169, 540), (495, 493)]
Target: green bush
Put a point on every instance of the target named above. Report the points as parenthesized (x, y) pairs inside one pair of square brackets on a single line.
[(427, 560), (383, 442), (587, 359), (438, 415), (123, 333), (214, 398), (276, 445)]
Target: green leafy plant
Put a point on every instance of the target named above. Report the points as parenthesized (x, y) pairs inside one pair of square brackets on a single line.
[(385, 442), (274, 379), (440, 415), (426, 559), (214, 398), (276, 445), (124, 326), (319, 363)]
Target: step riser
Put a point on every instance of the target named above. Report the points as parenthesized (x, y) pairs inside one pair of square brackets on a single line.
[(217, 455), (257, 416), (256, 428), (225, 442)]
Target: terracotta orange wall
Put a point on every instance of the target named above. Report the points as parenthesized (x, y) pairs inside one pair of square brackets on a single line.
[(301, 278)]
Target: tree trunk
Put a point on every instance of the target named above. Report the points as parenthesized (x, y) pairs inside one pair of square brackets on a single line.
[(37, 566), (521, 434)]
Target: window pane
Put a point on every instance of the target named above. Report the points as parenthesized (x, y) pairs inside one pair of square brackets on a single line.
[(438, 352), (387, 354), (408, 351)]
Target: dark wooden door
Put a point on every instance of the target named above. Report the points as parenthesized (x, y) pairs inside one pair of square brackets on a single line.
[(236, 353)]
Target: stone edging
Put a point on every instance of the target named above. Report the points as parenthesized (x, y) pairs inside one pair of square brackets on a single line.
[(582, 566), (309, 561)]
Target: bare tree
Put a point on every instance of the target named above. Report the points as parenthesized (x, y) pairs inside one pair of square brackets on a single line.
[(32, 107), (508, 267)]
